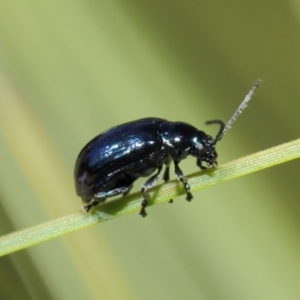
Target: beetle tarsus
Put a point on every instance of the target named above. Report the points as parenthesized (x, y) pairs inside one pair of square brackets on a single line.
[(143, 209), (187, 188), (88, 207), (189, 196), (143, 212)]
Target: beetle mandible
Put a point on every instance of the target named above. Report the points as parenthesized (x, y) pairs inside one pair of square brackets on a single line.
[(110, 163)]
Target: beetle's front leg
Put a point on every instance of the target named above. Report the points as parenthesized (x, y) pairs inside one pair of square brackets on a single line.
[(199, 164), (147, 185), (181, 178)]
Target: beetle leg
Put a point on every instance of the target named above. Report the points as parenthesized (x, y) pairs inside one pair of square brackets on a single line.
[(94, 202), (199, 164), (167, 177), (101, 197), (181, 178), (128, 190), (111, 193), (167, 170), (147, 185)]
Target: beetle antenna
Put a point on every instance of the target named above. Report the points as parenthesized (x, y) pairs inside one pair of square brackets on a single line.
[(222, 126), (242, 106)]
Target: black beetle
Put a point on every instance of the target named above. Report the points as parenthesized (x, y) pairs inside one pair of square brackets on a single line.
[(110, 163)]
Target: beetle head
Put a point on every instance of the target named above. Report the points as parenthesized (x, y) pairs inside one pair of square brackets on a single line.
[(204, 145), (203, 148), (210, 156)]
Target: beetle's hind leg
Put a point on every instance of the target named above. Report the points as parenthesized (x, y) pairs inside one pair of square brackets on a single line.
[(94, 202), (101, 197), (147, 185), (128, 190), (185, 183)]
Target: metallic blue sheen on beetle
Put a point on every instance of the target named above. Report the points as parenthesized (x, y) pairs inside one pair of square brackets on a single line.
[(111, 162)]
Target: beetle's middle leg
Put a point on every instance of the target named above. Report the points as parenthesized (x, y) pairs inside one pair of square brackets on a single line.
[(185, 183), (127, 180), (147, 185), (166, 176)]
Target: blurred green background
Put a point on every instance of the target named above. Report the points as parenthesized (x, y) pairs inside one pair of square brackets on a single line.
[(71, 69)]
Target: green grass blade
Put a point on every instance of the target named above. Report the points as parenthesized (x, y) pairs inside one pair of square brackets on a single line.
[(31, 236)]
